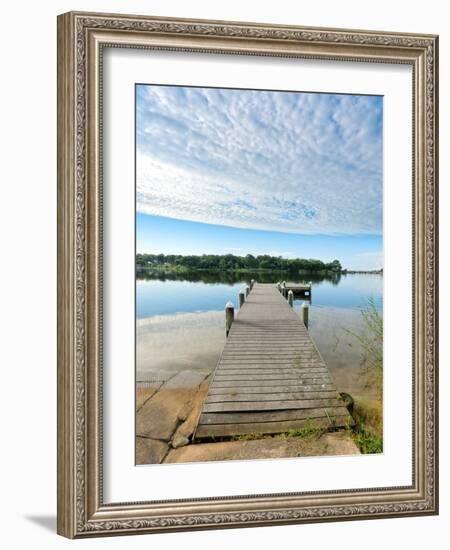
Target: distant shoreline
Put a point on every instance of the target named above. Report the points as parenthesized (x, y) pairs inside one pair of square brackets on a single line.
[(362, 272), (183, 269), (178, 263)]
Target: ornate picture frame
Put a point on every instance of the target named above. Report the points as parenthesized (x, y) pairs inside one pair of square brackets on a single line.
[(82, 38)]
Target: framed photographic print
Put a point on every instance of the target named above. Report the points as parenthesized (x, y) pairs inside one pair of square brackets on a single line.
[(247, 276)]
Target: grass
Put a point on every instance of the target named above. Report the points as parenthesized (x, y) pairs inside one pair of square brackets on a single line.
[(368, 444), (368, 413), (371, 341), (368, 430), (310, 429)]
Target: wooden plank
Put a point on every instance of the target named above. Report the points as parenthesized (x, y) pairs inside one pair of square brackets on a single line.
[(277, 370), (270, 405), (255, 356), (262, 361), (262, 350), (265, 359), (272, 389), (277, 396), (259, 367), (223, 430), (272, 416), (220, 377), (267, 383), (248, 350)]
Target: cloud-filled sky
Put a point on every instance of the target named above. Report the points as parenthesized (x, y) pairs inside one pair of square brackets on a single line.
[(298, 163)]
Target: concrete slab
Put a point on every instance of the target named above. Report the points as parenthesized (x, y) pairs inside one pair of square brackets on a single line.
[(158, 418), (150, 451), (328, 444), (145, 390)]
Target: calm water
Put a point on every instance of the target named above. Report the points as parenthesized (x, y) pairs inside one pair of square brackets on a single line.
[(164, 297), (180, 321)]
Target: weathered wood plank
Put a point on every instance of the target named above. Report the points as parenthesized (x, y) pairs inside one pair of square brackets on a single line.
[(272, 416), (269, 383), (272, 389), (305, 363), (278, 370), (259, 367), (278, 396), (224, 430), (270, 405), (220, 377)]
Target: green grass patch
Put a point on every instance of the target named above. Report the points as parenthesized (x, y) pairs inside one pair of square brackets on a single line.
[(368, 430), (310, 429), (371, 341), (367, 443)]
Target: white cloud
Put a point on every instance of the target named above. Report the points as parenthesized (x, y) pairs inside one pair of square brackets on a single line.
[(300, 163)]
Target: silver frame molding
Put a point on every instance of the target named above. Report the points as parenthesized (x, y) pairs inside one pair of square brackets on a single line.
[(81, 39)]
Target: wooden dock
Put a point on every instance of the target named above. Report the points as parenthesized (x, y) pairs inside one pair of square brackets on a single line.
[(299, 290), (270, 377)]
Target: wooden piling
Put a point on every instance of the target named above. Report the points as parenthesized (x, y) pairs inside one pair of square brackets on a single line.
[(241, 298), (247, 291), (305, 313), (291, 298), (229, 316), (252, 282)]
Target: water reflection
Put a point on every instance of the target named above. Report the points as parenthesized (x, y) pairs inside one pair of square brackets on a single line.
[(205, 291), (232, 277)]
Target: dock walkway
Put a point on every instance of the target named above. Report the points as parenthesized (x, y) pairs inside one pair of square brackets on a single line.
[(270, 377)]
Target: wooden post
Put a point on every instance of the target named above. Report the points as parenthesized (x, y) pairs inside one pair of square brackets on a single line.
[(241, 298), (247, 291), (283, 288), (252, 282), (291, 298), (229, 316), (305, 314), (279, 286)]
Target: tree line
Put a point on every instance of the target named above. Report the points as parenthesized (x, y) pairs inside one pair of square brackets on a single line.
[(230, 262)]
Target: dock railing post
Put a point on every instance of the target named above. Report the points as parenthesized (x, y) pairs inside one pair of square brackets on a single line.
[(241, 298), (229, 316), (247, 291), (291, 298), (305, 314), (252, 282)]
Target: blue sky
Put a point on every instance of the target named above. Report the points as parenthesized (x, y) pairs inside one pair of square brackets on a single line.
[(245, 171)]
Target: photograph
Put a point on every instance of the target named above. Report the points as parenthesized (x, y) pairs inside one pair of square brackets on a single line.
[(259, 274)]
